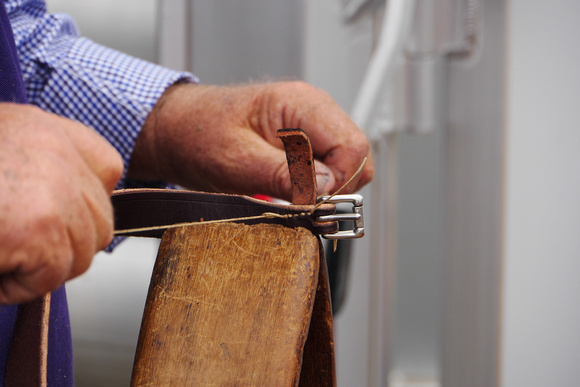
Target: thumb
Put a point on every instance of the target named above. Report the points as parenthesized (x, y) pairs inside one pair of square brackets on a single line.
[(325, 179)]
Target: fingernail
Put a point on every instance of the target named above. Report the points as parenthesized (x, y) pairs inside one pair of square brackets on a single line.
[(324, 178)]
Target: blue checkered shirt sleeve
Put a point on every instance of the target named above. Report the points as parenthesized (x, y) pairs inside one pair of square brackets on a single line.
[(77, 78)]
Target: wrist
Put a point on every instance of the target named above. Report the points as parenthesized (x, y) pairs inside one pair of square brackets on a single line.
[(145, 163)]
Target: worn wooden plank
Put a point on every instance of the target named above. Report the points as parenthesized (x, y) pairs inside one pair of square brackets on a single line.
[(229, 304)]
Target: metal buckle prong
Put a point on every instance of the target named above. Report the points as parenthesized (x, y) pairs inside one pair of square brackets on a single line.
[(356, 216)]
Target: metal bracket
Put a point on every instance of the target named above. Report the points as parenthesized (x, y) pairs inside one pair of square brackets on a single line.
[(356, 216)]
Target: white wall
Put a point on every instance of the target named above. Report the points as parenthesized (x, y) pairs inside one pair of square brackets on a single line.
[(474, 170), (513, 148), (390, 325), (128, 26), (238, 41), (541, 280)]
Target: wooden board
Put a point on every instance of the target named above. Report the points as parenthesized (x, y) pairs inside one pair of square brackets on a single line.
[(229, 304)]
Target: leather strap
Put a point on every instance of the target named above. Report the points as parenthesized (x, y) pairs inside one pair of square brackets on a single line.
[(136, 208), (27, 360), (300, 164), (318, 363)]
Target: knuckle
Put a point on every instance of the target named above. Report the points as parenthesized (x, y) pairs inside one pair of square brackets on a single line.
[(359, 143), (37, 270), (80, 265), (302, 88)]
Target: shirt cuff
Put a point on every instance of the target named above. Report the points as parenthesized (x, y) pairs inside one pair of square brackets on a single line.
[(105, 89)]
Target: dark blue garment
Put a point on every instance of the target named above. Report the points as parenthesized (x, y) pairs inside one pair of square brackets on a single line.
[(59, 340), (11, 84)]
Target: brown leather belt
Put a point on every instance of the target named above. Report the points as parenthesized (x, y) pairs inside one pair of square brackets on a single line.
[(151, 208)]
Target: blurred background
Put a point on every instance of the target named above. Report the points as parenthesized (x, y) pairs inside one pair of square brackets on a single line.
[(469, 274)]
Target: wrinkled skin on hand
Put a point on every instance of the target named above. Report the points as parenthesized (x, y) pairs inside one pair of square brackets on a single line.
[(56, 177), (223, 139)]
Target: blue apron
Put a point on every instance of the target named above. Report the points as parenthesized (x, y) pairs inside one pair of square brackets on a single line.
[(59, 339)]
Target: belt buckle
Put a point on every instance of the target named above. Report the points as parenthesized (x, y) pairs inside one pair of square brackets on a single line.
[(356, 216)]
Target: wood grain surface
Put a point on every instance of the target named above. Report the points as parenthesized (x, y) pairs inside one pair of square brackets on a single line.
[(228, 305)]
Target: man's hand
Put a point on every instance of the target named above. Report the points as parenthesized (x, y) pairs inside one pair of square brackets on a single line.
[(55, 213), (224, 139)]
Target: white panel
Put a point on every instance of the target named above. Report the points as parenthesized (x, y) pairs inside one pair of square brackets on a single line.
[(238, 41), (126, 25), (416, 342), (541, 337), (474, 162), (174, 34), (336, 53)]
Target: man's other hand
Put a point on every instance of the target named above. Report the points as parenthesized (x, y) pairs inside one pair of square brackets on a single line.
[(56, 176)]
